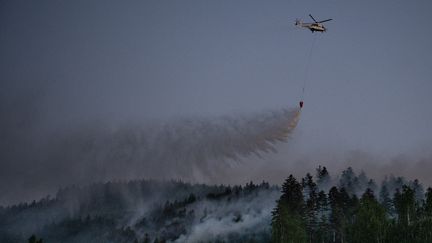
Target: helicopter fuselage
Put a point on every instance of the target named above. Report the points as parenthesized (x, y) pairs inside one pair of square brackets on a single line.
[(314, 27), (317, 26)]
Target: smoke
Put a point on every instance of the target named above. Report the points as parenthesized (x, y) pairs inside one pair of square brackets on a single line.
[(197, 149), (217, 221), (168, 210)]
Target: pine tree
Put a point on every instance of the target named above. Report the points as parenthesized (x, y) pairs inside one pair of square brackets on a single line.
[(425, 225), (385, 200), (311, 209), (363, 182), (349, 181), (323, 178), (286, 226), (405, 205), (288, 223), (372, 185), (292, 194), (370, 222), (404, 230), (428, 203), (341, 206), (323, 220), (418, 189)]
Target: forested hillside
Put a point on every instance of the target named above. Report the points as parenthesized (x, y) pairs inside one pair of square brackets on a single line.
[(348, 207), (144, 211)]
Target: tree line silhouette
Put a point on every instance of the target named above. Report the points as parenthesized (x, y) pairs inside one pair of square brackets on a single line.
[(352, 211), (316, 208)]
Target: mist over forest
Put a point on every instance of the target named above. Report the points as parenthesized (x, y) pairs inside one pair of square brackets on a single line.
[(204, 149), (141, 182), (175, 211), (215, 121)]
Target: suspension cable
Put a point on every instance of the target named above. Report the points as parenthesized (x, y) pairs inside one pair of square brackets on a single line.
[(307, 68)]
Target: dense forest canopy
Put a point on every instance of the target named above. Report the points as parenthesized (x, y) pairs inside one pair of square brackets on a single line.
[(353, 210), (144, 210), (348, 207)]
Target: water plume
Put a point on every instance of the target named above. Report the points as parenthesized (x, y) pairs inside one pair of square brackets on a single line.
[(198, 149), (175, 148)]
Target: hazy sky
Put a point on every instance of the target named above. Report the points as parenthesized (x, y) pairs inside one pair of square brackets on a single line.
[(66, 63)]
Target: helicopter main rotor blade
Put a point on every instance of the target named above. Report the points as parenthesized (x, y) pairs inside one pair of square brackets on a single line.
[(310, 15), (325, 20)]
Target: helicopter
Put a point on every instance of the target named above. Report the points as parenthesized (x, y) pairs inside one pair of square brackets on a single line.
[(317, 26)]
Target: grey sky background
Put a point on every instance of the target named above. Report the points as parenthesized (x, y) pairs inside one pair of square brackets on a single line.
[(68, 63)]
